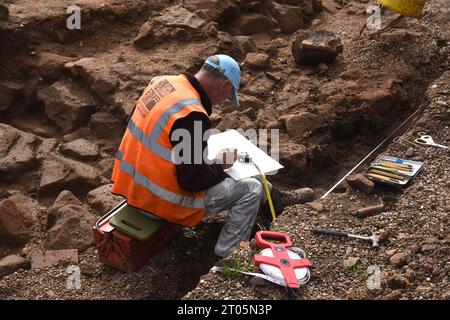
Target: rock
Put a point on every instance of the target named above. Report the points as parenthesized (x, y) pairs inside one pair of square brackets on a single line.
[(45, 259), (447, 184), (12, 263), (67, 105), (50, 66), (102, 199), (398, 282), (59, 173), (106, 126), (293, 157), (380, 98), (13, 224), (352, 74), (26, 205), (215, 10), (399, 259), (98, 76), (179, 17), (244, 44), (267, 118), (361, 183), (17, 151), (252, 23), (234, 120), (257, 60), (316, 47), (80, 149), (145, 38), (394, 295), (288, 17), (316, 22), (4, 12), (246, 101), (350, 262), (69, 224), (106, 167), (77, 134), (323, 68), (260, 86), (298, 125), (9, 92), (410, 153), (305, 194), (428, 248), (329, 5), (258, 282), (45, 148), (315, 205)]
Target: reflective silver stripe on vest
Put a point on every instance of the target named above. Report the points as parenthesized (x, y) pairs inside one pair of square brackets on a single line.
[(169, 196), (151, 141)]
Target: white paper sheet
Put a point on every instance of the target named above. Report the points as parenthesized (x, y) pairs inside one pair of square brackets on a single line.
[(233, 139)]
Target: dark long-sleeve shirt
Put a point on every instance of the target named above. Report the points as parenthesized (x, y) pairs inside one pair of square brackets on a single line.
[(191, 176)]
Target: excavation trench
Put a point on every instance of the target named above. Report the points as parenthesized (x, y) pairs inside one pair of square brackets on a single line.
[(333, 149)]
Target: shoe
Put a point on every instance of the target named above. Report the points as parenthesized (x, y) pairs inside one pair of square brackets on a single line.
[(282, 199)]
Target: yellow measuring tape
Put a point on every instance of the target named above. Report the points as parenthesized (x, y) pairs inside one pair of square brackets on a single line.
[(266, 187)]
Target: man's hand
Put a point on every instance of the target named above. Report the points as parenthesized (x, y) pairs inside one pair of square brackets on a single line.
[(226, 157)]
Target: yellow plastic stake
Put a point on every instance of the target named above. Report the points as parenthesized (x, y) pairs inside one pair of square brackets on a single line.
[(407, 8), (266, 188)]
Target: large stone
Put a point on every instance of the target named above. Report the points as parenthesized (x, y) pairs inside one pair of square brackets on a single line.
[(46, 147), (316, 47), (250, 102), (360, 182), (399, 259), (81, 149), (257, 60), (98, 76), (293, 157), (50, 66), (106, 126), (145, 38), (102, 199), (288, 17), (26, 205), (299, 124), (59, 173), (17, 151), (381, 98), (179, 17), (67, 105), (267, 118), (13, 224), (69, 224), (329, 5), (216, 10), (12, 263), (234, 120), (9, 92), (253, 23), (235, 46)]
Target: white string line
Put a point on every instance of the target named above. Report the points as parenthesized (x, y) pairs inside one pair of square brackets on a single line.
[(376, 148)]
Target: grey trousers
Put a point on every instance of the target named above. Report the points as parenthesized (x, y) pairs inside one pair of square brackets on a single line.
[(242, 199)]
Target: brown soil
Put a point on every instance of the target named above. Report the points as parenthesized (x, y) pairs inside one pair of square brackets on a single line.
[(372, 87)]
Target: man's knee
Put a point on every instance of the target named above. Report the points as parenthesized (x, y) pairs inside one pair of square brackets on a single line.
[(254, 186)]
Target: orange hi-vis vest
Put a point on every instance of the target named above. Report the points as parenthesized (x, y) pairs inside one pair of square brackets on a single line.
[(144, 172)]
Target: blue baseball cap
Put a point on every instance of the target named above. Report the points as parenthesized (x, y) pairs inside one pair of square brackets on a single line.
[(229, 68)]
